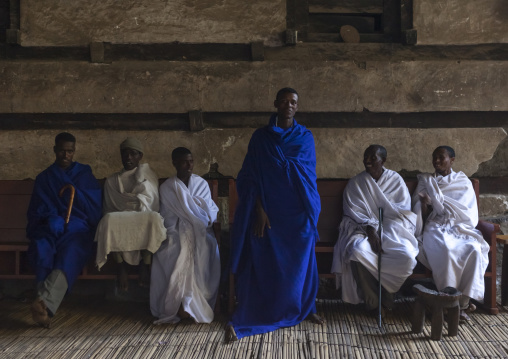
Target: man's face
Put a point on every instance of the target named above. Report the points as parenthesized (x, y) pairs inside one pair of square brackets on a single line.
[(130, 158), (442, 161), (372, 161), (184, 166), (287, 105), (64, 152)]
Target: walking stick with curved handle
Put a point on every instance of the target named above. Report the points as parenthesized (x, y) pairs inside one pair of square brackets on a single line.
[(71, 201), (380, 233)]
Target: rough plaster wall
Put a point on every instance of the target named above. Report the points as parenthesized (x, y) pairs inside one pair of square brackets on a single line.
[(453, 22), (71, 23), (169, 87), (339, 151), (498, 165)]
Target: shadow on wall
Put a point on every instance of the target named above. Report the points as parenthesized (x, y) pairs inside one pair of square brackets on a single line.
[(497, 166), (502, 10)]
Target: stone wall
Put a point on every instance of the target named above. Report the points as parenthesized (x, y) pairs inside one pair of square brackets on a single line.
[(179, 87), (339, 151), (73, 23), (458, 22)]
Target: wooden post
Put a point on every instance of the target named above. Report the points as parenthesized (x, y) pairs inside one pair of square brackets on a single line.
[(12, 34), (196, 120)]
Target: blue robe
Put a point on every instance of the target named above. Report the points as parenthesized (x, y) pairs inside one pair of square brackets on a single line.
[(50, 247), (276, 275)]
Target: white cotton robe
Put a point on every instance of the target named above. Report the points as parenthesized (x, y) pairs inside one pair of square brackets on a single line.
[(186, 268), (131, 220), (450, 245), (362, 199)]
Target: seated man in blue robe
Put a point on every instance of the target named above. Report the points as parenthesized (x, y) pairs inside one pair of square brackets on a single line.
[(274, 231), (59, 251)]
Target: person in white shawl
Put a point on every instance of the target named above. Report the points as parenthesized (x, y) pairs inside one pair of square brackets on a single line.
[(355, 257), (457, 254), (186, 268), (132, 229)]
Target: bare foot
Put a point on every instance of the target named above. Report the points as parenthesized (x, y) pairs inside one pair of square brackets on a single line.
[(316, 319), (471, 308), (144, 275), (463, 316), (122, 277), (40, 313), (230, 335)]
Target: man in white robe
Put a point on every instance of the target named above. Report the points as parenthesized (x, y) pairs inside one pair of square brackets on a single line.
[(457, 254), (355, 257), (131, 227), (186, 268)]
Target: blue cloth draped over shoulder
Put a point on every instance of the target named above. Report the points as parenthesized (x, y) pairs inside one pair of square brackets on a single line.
[(50, 246), (276, 275)]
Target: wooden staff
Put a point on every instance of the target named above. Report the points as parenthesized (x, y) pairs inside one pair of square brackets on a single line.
[(380, 233), (71, 201)]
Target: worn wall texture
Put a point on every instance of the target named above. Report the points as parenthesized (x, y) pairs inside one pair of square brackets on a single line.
[(453, 22), (178, 87), (339, 151), (71, 23)]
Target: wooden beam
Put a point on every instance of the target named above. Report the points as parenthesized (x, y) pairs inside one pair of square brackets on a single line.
[(97, 52), (257, 50), (340, 9), (391, 19), (181, 121)]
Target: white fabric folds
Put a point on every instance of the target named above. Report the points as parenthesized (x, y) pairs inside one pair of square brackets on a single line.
[(450, 245), (131, 221), (362, 198), (186, 268)]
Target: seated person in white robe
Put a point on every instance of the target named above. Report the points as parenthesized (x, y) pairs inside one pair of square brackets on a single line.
[(355, 256), (132, 229), (186, 268), (450, 246)]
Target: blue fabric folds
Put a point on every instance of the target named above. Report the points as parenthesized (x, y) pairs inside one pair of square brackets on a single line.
[(50, 247), (276, 276)]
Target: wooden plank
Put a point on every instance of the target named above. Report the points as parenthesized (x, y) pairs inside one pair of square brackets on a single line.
[(16, 187), (338, 9), (13, 210), (391, 18), (13, 236), (335, 37), (326, 23)]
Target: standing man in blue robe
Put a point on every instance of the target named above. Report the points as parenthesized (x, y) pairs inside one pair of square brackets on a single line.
[(275, 227), (59, 251)]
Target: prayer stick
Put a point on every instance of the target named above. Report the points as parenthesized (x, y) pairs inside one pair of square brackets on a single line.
[(380, 233)]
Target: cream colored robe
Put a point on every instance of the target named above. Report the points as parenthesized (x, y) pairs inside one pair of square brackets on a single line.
[(131, 220)]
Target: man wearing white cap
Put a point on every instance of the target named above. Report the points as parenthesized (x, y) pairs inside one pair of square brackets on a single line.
[(132, 229)]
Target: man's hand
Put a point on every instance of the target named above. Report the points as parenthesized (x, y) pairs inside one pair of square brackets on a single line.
[(374, 240), (261, 221), (56, 225), (425, 198), (426, 203)]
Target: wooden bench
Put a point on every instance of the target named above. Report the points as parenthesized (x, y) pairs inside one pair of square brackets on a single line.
[(14, 200), (331, 193)]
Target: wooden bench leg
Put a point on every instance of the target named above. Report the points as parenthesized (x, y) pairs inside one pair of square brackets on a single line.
[(504, 277)]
